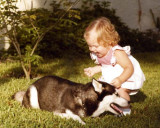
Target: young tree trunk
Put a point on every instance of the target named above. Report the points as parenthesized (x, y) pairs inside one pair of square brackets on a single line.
[(27, 73)]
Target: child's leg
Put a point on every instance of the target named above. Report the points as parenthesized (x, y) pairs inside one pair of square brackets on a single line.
[(124, 93)]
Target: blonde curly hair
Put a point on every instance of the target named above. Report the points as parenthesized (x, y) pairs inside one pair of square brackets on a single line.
[(106, 33)]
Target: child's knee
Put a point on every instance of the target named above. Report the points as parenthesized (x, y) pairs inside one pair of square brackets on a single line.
[(124, 93), (124, 90)]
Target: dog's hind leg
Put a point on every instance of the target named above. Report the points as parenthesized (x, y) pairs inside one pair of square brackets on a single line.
[(69, 114)]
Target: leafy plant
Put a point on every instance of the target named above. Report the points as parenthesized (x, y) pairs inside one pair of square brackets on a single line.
[(26, 29), (12, 21)]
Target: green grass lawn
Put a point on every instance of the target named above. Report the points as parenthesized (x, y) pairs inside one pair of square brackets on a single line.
[(145, 105)]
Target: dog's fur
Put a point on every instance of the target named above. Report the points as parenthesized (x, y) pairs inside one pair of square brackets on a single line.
[(69, 99)]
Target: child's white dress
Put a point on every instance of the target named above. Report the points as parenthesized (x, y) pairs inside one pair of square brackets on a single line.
[(111, 70)]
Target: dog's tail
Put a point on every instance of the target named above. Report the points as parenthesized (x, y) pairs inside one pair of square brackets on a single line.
[(19, 96)]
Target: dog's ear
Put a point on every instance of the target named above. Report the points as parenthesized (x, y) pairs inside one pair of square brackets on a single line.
[(97, 86)]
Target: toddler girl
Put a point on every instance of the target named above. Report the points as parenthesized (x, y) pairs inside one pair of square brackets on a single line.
[(118, 67)]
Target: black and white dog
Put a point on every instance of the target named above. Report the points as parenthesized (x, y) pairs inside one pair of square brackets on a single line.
[(69, 99)]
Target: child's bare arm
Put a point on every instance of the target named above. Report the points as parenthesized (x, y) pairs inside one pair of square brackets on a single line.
[(92, 70), (126, 64)]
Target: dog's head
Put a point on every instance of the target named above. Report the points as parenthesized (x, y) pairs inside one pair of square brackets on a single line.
[(108, 99)]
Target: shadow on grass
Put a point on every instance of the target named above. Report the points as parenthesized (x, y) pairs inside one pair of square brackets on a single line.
[(148, 57), (15, 72), (139, 97), (67, 67), (4, 80)]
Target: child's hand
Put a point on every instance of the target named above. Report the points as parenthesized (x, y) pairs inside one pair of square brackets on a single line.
[(92, 70), (116, 82), (89, 71)]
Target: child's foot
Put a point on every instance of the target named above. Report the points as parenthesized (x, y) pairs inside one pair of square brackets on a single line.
[(123, 111), (126, 111)]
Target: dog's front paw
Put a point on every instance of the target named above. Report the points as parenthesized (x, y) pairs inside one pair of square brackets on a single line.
[(83, 123)]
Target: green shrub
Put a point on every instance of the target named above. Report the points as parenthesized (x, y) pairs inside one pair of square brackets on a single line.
[(70, 40), (26, 29), (66, 37)]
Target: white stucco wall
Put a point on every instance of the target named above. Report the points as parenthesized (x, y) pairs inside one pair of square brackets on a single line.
[(127, 10), (28, 4)]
